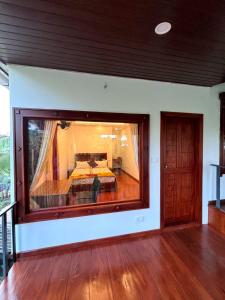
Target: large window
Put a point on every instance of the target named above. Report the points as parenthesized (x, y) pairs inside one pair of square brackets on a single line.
[(79, 163)]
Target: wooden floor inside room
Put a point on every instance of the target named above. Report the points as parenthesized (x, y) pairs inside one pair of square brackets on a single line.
[(181, 264), (127, 189)]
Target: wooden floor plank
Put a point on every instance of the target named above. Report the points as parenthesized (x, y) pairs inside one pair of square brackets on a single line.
[(163, 276), (57, 286), (144, 280), (135, 284), (118, 273), (187, 280), (100, 284), (197, 261), (78, 286), (184, 264)]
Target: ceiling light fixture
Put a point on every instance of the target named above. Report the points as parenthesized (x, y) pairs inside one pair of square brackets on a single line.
[(163, 28)]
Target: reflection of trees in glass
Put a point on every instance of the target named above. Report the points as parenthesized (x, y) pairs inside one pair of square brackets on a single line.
[(4, 155), (35, 133), (4, 171)]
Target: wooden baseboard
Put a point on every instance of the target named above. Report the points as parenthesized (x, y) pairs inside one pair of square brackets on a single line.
[(213, 202), (86, 244), (180, 227), (216, 219)]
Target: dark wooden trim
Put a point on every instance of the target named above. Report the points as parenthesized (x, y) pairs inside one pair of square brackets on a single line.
[(213, 202), (55, 156), (24, 214), (87, 244), (90, 156), (199, 151), (181, 115), (222, 131), (180, 227)]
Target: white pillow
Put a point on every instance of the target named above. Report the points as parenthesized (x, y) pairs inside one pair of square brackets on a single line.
[(82, 165), (102, 163)]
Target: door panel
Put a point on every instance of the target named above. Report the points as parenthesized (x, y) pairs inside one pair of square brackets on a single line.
[(179, 172), (171, 196), (171, 145), (187, 144)]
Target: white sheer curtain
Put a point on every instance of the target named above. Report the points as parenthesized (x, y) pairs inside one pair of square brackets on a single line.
[(66, 147), (47, 140), (134, 138)]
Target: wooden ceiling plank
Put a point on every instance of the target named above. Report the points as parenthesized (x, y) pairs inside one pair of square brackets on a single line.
[(83, 48), (81, 32), (108, 68), (174, 60), (125, 11), (104, 60), (118, 39), (101, 71), (176, 52)]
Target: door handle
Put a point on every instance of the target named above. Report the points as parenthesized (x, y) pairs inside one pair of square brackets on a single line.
[(166, 166)]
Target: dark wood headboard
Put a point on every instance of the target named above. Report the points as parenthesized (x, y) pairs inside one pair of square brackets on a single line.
[(90, 156)]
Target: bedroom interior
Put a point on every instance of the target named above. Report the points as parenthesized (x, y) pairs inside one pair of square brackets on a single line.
[(78, 162)]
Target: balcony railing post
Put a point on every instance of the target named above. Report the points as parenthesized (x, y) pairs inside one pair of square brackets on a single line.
[(6, 264), (4, 245), (218, 175), (13, 234), (218, 186)]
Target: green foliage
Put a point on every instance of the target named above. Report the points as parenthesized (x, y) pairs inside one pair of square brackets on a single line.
[(4, 203), (4, 165), (4, 157), (4, 168), (4, 144)]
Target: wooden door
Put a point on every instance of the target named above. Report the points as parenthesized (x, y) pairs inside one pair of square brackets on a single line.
[(179, 168)]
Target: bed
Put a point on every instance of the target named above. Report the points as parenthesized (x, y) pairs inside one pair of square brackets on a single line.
[(83, 174)]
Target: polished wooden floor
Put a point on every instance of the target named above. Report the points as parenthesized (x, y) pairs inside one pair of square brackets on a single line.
[(183, 264), (127, 190)]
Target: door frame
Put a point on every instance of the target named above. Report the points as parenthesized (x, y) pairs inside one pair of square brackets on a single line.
[(199, 163)]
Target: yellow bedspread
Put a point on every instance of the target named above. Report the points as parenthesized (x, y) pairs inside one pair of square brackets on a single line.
[(80, 173)]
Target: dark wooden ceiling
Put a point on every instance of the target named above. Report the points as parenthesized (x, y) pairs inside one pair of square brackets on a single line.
[(116, 37)]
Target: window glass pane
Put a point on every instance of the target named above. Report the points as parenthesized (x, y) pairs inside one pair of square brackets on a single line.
[(5, 175), (4, 147), (72, 163)]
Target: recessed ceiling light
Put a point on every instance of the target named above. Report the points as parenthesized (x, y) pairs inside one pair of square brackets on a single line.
[(163, 28)]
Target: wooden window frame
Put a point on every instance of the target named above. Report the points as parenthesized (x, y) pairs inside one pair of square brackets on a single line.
[(24, 214), (222, 131)]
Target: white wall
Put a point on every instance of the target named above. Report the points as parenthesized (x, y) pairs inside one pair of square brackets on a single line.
[(43, 88)]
